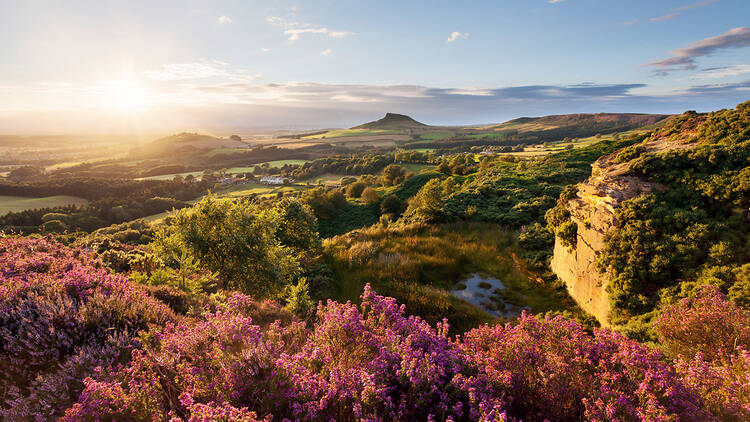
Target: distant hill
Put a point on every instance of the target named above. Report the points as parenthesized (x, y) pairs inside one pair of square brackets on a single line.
[(578, 124), (393, 121), (187, 142)]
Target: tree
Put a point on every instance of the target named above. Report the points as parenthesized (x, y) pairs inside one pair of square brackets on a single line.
[(235, 138), (297, 227), (426, 205), (355, 189), (24, 173), (393, 174), (238, 241), (391, 205), (370, 195)]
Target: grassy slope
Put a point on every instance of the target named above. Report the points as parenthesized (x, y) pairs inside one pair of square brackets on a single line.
[(18, 203), (340, 133), (418, 265)]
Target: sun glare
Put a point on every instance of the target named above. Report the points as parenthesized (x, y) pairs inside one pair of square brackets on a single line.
[(127, 96)]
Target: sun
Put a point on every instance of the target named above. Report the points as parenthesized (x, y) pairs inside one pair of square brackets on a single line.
[(127, 96)]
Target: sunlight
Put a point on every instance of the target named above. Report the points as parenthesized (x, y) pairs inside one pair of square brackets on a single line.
[(127, 96)]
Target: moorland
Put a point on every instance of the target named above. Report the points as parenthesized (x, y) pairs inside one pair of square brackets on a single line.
[(324, 274)]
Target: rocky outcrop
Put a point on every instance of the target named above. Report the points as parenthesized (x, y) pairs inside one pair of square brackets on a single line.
[(593, 211)]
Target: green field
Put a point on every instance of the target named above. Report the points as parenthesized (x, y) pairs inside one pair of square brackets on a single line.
[(171, 176), (417, 168), (282, 163), (351, 132), (19, 203), (232, 170), (434, 136)]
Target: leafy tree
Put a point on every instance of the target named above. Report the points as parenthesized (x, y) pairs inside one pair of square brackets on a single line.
[(426, 205), (355, 189), (391, 205), (298, 299), (238, 241), (370, 195), (393, 174), (297, 226)]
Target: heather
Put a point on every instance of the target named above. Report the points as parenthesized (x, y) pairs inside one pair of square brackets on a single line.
[(373, 362), (62, 316), (79, 340), (709, 337)]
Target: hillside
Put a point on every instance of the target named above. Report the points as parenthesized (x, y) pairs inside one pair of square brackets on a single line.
[(658, 219), (393, 121), (577, 125), (185, 143)]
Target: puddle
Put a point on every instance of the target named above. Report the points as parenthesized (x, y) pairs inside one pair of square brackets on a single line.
[(487, 293)]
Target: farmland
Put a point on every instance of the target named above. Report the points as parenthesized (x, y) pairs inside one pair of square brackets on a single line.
[(19, 203)]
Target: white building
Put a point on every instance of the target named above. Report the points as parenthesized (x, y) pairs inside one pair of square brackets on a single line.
[(272, 180)]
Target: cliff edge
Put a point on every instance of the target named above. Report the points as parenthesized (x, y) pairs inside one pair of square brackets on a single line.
[(593, 211)]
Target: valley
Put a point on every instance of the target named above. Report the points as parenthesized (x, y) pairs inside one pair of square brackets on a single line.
[(534, 221)]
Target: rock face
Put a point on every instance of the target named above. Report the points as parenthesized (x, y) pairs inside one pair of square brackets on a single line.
[(594, 211)]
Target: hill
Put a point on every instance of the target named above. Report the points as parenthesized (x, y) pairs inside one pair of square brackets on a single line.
[(661, 218), (393, 121), (577, 125), (198, 140), (187, 143)]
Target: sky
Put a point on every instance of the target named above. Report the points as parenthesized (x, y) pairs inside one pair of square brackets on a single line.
[(222, 66)]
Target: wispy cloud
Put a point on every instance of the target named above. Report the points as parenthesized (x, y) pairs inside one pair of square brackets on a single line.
[(293, 30), (684, 58), (670, 14), (205, 69), (555, 1), (326, 52), (226, 103), (456, 35), (678, 11), (223, 19), (723, 72)]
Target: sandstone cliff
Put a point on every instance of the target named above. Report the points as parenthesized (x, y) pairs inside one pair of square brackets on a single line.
[(593, 211)]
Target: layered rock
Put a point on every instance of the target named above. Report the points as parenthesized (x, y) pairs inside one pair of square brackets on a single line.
[(594, 213)]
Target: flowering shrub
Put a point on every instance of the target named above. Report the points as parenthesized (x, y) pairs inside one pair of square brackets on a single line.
[(710, 337), (375, 363), (552, 369), (61, 316), (70, 332)]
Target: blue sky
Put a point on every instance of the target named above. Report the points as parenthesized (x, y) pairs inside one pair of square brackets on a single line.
[(222, 66)]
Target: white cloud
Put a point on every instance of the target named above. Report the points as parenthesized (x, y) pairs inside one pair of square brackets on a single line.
[(205, 69), (293, 30), (723, 72), (455, 35), (555, 1), (223, 19), (264, 50), (326, 52), (294, 34)]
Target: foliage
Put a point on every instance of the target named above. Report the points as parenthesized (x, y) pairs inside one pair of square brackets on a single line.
[(62, 318), (419, 265), (240, 242), (370, 195), (710, 339), (509, 193), (666, 243), (375, 363), (112, 202)]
